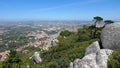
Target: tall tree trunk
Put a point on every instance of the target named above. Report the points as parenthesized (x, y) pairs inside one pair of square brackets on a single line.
[(95, 26)]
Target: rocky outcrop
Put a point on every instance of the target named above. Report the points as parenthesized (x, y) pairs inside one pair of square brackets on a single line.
[(102, 57), (96, 58), (36, 58), (93, 48), (110, 36), (88, 61), (71, 65)]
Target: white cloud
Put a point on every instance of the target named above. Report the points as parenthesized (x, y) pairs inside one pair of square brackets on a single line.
[(69, 5)]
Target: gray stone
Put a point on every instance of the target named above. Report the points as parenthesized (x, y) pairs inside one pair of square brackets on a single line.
[(93, 48), (90, 61), (87, 62), (110, 36), (36, 58), (93, 60), (102, 57), (71, 65)]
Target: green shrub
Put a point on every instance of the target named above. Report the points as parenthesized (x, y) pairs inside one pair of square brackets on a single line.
[(12, 61), (84, 34), (67, 51), (83, 37), (65, 33), (114, 59)]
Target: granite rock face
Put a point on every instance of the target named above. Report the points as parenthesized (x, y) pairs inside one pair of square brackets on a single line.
[(110, 36), (93, 60), (93, 48), (102, 57), (86, 62), (36, 58), (94, 57), (71, 65)]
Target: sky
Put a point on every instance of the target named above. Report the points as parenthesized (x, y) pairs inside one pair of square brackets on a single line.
[(59, 9)]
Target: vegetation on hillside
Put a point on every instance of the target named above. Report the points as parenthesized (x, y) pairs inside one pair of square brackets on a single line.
[(114, 59), (14, 38), (12, 61), (71, 45)]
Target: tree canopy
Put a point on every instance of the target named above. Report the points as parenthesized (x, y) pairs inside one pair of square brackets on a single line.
[(98, 18)]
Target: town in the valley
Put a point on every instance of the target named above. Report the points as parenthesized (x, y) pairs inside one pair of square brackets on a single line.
[(21, 35)]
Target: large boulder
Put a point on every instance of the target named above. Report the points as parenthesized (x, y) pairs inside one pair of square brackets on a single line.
[(93, 48), (110, 36), (93, 60), (94, 57), (87, 62), (71, 65), (36, 58), (102, 57)]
